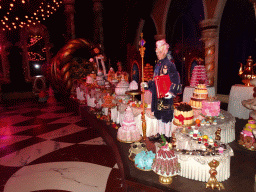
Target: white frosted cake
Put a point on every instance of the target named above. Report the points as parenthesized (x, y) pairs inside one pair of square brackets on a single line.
[(128, 132)]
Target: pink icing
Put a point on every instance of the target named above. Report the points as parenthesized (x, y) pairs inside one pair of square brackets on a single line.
[(247, 133), (198, 73), (128, 131), (210, 108)]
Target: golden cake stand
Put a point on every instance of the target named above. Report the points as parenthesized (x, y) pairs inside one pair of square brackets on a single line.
[(165, 180), (133, 93)]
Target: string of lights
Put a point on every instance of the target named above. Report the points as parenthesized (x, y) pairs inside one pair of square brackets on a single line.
[(12, 21), (33, 56)]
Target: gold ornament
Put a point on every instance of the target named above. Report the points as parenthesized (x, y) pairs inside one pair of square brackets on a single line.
[(212, 182), (165, 180), (247, 74)]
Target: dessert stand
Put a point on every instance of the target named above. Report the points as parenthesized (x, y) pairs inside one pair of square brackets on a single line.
[(133, 93)]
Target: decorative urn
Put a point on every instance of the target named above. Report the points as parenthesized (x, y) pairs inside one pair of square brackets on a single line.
[(100, 79), (121, 89), (247, 74)]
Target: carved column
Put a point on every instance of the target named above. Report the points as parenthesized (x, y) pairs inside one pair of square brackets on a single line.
[(210, 39), (254, 5), (98, 23), (70, 22)]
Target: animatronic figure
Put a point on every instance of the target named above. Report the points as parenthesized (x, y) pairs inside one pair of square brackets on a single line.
[(162, 105)]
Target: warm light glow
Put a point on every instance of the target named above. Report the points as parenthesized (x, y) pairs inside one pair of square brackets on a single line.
[(44, 10)]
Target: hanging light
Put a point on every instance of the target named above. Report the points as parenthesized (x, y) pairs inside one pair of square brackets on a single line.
[(43, 11)]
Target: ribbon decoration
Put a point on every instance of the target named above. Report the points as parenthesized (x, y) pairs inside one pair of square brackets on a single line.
[(181, 118)]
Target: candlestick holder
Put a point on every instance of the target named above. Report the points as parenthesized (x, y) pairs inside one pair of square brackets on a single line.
[(212, 182)]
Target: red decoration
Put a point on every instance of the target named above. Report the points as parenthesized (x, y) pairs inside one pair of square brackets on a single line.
[(181, 118), (163, 84)]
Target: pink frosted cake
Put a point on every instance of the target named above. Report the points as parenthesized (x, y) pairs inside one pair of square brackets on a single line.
[(128, 132), (211, 107), (166, 162), (198, 75)]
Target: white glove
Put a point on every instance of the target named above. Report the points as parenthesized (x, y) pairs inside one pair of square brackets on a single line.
[(144, 84), (168, 95)]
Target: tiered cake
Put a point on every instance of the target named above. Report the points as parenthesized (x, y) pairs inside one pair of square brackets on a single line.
[(198, 75), (166, 162), (183, 115), (148, 72), (200, 93), (128, 132)]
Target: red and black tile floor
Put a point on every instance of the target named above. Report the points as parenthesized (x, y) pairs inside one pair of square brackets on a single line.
[(47, 147)]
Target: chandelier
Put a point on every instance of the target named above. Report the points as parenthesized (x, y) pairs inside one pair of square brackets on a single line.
[(20, 13)]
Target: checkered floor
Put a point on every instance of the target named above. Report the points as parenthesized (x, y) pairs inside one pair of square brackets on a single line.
[(46, 147)]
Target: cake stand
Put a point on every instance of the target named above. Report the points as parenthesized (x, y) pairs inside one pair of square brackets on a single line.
[(133, 93)]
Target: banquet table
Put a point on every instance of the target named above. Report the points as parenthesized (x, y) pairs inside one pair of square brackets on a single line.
[(194, 169), (188, 93), (227, 125), (239, 93)]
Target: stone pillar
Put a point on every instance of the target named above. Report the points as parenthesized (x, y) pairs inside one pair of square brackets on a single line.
[(70, 21), (210, 39), (98, 23), (254, 5)]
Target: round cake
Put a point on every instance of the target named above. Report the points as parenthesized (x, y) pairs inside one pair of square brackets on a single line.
[(210, 107), (144, 160), (166, 162), (128, 132), (200, 93), (183, 115)]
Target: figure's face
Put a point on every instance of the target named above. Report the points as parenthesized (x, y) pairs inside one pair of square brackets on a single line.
[(161, 52)]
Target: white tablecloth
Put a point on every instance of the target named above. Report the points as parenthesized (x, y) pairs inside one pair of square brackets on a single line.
[(188, 93), (227, 126), (117, 116), (196, 167), (237, 94)]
